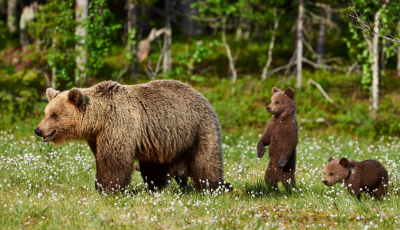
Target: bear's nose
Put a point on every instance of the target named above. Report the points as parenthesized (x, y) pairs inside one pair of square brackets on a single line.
[(38, 132), (324, 181), (268, 108)]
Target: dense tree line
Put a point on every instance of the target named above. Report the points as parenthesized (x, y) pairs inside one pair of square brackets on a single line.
[(72, 38)]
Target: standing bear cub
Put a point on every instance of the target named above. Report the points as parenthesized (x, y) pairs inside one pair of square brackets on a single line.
[(281, 136), (163, 124), (367, 176)]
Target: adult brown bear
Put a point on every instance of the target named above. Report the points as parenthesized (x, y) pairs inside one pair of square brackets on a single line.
[(160, 123)]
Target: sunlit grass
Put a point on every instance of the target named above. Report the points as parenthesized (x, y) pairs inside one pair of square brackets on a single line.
[(47, 186)]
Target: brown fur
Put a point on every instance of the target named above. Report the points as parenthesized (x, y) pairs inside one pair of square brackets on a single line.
[(367, 176), (161, 124), (281, 136)]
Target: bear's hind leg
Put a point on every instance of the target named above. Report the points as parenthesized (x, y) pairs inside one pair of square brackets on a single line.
[(380, 191), (288, 179), (271, 176), (206, 167), (154, 174)]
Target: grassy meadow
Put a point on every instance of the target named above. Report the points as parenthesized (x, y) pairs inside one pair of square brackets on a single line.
[(43, 186)]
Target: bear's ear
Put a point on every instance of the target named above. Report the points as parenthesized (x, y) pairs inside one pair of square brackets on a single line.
[(75, 97), (274, 90), (289, 92), (344, 162), (51, 93), (330, 159)]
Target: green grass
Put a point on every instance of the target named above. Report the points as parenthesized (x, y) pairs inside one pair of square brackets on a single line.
[(43, 186)]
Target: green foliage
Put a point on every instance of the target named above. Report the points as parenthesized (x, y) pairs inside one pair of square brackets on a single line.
[(195, 52), (358, 47), (18, 94), (97, 40), (54, 28)]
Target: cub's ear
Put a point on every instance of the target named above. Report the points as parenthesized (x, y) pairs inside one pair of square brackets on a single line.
[(274, 90), (289, 92), (330, 159), (75, 97), (51, 93), (344, 162)]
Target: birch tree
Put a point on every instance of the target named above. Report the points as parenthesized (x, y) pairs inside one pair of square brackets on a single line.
[(377, 30), (167, 60), (80, 32), (299, 45), (12, 16), (131, 34)]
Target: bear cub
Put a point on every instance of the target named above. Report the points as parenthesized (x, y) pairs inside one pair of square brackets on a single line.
[(367, 176), (281, 136)]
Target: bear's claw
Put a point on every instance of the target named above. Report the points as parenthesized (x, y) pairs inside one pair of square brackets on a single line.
[(282, 164), (261, 152)]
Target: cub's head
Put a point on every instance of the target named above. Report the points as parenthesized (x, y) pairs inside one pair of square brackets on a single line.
[(61, 116), (282, 102), (336, 171)]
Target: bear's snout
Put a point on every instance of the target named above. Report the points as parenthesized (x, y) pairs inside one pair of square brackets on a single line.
[(324, 181), (38, 132), (268, 108)]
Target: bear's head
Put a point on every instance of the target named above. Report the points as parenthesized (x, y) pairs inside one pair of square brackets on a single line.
[(336, 171), (62, 116), (282, 102)]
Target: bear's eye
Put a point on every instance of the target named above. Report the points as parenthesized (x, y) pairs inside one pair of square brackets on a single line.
[(277, 102), (54, 115), (330, 174)]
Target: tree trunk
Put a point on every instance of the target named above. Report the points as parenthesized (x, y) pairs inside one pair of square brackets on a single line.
[(398, 50), (12, 16), (321, 36), (229, 54), (299, 58), (132, 24), (375, 63), (271, 47), (81, 14), (167, 62), (53, 77), (191, 28)]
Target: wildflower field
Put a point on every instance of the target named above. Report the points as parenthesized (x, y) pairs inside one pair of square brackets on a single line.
[(43, 186)]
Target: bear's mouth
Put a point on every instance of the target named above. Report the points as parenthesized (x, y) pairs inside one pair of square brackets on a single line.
[(46, 139)]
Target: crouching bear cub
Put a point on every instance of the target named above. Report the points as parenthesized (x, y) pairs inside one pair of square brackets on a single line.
[(367, 176), (161, 124), (281, 136)]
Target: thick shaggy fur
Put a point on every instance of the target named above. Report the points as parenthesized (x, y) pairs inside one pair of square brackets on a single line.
[(367, 176), (281, 136), (161, 124)]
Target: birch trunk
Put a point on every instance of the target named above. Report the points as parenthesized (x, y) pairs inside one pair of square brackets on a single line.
[(271, 47), (81, 14), (53, 77), (375, 63), (398, 51), (12, 16), (299, 58), (229, 54), (132, 24), (167, 39)]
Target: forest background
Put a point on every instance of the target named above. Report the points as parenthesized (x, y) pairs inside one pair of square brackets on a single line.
[(346, 79)]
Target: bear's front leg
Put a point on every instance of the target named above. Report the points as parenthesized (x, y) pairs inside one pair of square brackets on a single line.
[(114, 166), (260, 149), (264, 141)]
